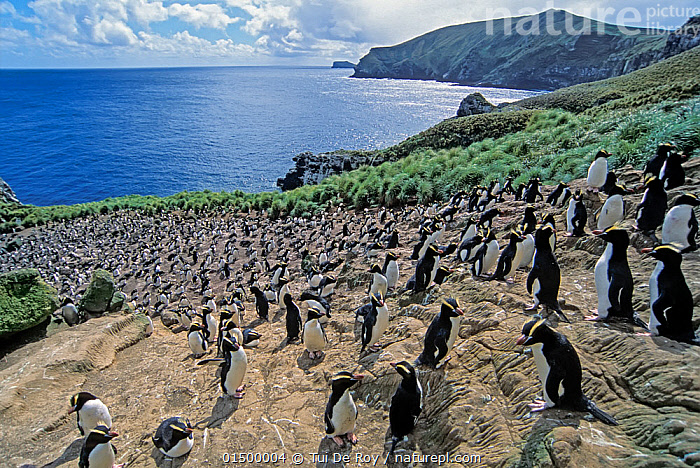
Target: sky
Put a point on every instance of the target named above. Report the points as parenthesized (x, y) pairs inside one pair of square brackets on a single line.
[(169, 33)]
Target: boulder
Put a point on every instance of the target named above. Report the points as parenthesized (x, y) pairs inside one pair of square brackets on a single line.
[(99, 293), (117, 302), (473, 104), (25, 301)]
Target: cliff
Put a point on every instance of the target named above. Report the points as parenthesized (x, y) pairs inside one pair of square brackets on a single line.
[(497, 53), (6, 193), (343, 64)]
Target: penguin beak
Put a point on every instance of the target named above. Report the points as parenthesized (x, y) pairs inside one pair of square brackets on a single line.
[(358, 376), (112, 434), (647, 250), (393, 364), (73, 410), (523, 340), (459, 311), (189, 430)]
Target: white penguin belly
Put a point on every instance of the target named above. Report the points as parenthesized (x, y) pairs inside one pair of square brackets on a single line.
[(528, 249), (597, 172), (315, 281), (94, 413), (183, 447), (102, 456), (239, 364), (543, 371), (380, 326), (536, 287), (392, 274), (344, 415), (602, 283), (675, 229), (491, 257), (379, 284), (653, 296), (612, 212), (517, 258), (454, 332), (314, 339), (196, 343), (436, 267), (570, 215)]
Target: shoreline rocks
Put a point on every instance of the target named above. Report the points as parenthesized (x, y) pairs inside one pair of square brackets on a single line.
[(310, 168), (7, 195)]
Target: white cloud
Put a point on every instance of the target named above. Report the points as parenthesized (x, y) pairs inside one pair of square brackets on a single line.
[(202, 15), (113, 32)]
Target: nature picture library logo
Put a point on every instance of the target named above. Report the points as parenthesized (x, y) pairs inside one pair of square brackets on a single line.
[(630, 21)]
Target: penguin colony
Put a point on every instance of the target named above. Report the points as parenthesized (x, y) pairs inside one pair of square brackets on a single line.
[(529, 246)]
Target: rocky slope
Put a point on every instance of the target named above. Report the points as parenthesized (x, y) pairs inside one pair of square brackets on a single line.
[(484, 54), (475, 405), (7, 195)]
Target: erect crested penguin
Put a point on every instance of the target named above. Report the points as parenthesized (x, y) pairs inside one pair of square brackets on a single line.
[(391, 270), (654, 165), (559, 195), (651, 210), (314, 336), (70, 312), (375, 323), (293, 319), (406, 404), (441, 334), (672, 173), (532, 192), (510, 258), (680, 224), (670, 298), (598, 170), (174, 437), (341, 412), (97, 450), (262, 305), (196, 340), (576, 216), (379, 281), (468, 248), (90, 411), (487, 255), (545, 276), (613, 209), (425, 268), (613, 279), (559, 369), (486, 219)]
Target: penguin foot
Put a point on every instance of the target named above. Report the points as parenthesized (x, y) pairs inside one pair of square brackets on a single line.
[(240, 389), (339, 441), (444, 362), (537, 405), (532, 307), (643, 334), (238, 395), (352, 438), (594, 316), (121, 465)]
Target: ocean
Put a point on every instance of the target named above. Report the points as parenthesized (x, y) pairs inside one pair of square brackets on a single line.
[(74, 136)]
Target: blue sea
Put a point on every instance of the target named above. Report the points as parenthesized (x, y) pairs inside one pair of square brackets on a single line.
[(73, 136)]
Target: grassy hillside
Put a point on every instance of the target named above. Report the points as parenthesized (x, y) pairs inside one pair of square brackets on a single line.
[(628, 115), (502, 53)]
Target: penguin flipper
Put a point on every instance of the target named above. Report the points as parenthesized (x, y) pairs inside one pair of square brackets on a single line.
[(600, 414), (441, 344), (639, 322), (554, 379), (211, 361), (330, 429), (531, 277)]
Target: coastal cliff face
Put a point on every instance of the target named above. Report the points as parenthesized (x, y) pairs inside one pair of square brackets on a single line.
[(497, 54), (310, 168), (6, 193)]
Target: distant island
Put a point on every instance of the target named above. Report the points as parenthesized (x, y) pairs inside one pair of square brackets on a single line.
[(343, 64), (545, 51)]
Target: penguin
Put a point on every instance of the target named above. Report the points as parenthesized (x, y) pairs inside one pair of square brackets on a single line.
[(234, 368), (549, 220), (314, 336), (468, 248), (680, 224), (651, 210), (520, 192), (314, 301), (328, 285), (70, 312), (363, 310), (230, 329), (209, 323), (251, 338), (280, 270), (341, 413), (422, 245), (406, 404), (487, 255), (545, 276), (391, 270), (486, 219), (375, 323), (196, 340), (529, 222), (262, 305), (672, 173), (469, 230), (314, 277), (527, 246), (613, 279), (576, 216), (613, 210), (97, 450), (283, 284), (90, 412), (610, 182), (654, 165), (174, 437), (557, 197), (510, 258), (442, 273), (559, 369), (293, 319), (379, 281), (598, 170), (374, 248), (185, 317), (441, 335), (670, 298), (425, 268), (532, 192)]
